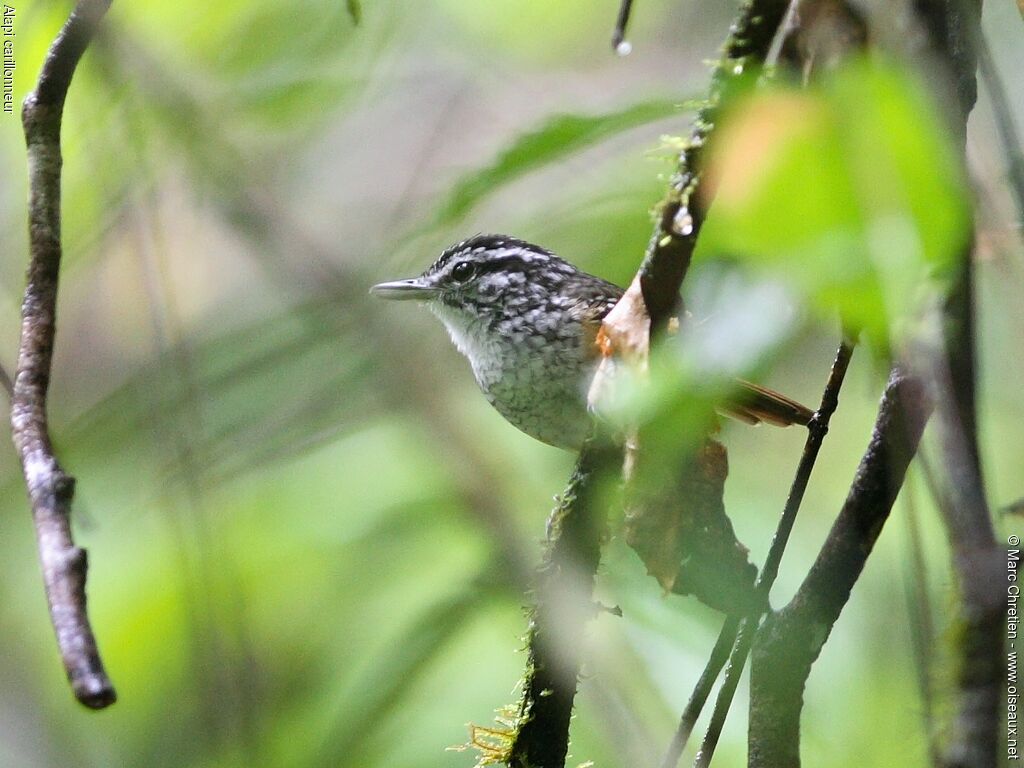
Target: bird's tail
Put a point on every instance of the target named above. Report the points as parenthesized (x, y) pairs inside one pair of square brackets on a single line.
[(754, 404)]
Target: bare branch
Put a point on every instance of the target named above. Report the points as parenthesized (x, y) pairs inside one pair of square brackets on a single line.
[(619, 35), (6, 382), (818, 428), (701, 691), (977, 559), (952, 38), (922, 623), (817, 35), (50, 489), (790, 640), (653, 297), (1005, 124), (816, 432)]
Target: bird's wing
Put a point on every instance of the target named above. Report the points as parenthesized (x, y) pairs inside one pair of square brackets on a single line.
[(754, 404), (590, 312)]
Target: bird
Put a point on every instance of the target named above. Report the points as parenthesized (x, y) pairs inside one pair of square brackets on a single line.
[(527, 322)]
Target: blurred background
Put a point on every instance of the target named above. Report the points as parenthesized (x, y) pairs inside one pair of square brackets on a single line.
[(305, 525)]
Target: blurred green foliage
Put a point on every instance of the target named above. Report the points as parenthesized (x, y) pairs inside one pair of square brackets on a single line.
[(306, 528), (851, 188), (560, 137)]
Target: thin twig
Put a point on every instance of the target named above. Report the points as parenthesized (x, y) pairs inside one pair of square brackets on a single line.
[(701, 691), (791, 639), (931, 483), (50, 489), (802, 46), (6, 382), (619, 35), (922, 624), (818, 428), (674, 240), (816, 432), (1005, 124), (659, 279)]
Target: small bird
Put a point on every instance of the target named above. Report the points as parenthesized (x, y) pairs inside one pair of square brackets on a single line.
[(527, 321)]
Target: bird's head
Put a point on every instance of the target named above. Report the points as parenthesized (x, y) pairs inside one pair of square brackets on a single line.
[(487, 277)]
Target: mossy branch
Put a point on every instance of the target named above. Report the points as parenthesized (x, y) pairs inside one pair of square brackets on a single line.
[(682, 213), (564, 605)]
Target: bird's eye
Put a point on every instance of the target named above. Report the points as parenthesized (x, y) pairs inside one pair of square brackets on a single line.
[(462, 271)]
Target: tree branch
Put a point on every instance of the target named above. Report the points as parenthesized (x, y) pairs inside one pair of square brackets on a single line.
[(564, 605), (817, 430), (1005, 124), (542, 735), (653, 297), (50, 489), (817, 35), (701, 691), (621, 22), (952, 29), (922, 623), (682, 213), (790, 640), (953, 35)]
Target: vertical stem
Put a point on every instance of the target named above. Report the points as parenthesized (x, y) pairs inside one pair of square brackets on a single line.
[(790, 640), (816, 432), (741, 633), (564, 605), (719, 655), (50, 489), (619, 35)]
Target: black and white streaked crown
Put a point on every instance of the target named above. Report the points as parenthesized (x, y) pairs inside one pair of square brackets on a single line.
[(500, 252), (505, 262)]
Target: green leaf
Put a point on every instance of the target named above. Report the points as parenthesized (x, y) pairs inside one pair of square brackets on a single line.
[(559, 137), (850, 190)]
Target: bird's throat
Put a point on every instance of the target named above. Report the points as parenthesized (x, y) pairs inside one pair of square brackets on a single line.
[(477, 344), (536, 384)]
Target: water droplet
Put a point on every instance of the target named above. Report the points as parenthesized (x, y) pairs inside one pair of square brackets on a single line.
[(738, 69), (624, 48), (682, 222)]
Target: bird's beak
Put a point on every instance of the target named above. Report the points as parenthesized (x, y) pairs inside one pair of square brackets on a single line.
[(413, 288)]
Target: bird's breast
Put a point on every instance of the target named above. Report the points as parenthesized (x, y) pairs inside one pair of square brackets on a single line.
[(533, 370)]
